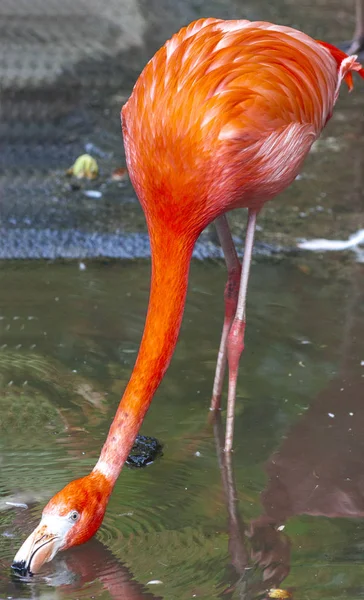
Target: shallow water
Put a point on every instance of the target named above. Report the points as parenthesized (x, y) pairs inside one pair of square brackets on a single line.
[(68, 342)]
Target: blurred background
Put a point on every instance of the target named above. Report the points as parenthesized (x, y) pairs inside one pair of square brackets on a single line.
[(66, 68)]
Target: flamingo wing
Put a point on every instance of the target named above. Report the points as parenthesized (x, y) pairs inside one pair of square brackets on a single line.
[(226, 113)]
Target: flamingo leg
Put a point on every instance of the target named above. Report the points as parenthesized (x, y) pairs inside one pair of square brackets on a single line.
[(357, 44), (231, 301), (235, 343)]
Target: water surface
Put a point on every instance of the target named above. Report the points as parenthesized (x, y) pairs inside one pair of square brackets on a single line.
[(287, 512)]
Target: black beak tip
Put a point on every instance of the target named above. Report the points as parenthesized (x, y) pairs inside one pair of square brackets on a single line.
[(21, 568)]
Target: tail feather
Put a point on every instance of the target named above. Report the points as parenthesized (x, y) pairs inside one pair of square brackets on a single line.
[(346, 64)]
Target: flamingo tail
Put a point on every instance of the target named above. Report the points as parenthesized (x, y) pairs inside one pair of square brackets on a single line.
[(346, 64)]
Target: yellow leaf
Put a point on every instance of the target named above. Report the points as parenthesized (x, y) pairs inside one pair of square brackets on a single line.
[(84, 167)]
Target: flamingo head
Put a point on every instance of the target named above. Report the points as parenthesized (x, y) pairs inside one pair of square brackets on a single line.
[(70, 518)]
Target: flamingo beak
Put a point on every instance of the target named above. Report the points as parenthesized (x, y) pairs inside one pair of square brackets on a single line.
[(39, 548)]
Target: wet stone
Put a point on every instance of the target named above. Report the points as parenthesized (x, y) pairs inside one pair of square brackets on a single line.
[(144, 451)]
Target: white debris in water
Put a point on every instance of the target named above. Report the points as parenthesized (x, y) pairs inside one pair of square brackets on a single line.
[(280, 528), (92, 193), (154, 582), (7, 534), (362, 363), (17, 504), (351, 414), (198, 454), (322, 244), (82, 266), (331, 415)]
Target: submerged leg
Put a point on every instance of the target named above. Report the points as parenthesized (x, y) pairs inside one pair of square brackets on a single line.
[(231, 301), (237, 549), (235, 344)]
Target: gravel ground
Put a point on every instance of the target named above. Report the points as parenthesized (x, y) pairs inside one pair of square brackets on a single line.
[(66, 67)]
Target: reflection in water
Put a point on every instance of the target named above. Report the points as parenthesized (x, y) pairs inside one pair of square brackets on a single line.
[(259, 553), (318, 469), (86, 571), (98, 562)]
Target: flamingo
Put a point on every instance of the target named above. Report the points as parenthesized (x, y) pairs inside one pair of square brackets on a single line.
[(221, 117)]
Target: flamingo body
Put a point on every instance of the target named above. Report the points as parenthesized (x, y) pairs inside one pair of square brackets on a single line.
[(221, 117)]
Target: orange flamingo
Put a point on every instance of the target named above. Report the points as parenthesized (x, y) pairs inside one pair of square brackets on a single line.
[(222, 117)]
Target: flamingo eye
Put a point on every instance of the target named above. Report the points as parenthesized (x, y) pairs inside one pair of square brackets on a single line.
[(74, 516)]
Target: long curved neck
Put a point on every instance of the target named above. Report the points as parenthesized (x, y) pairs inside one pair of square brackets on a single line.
[(171, 257)]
